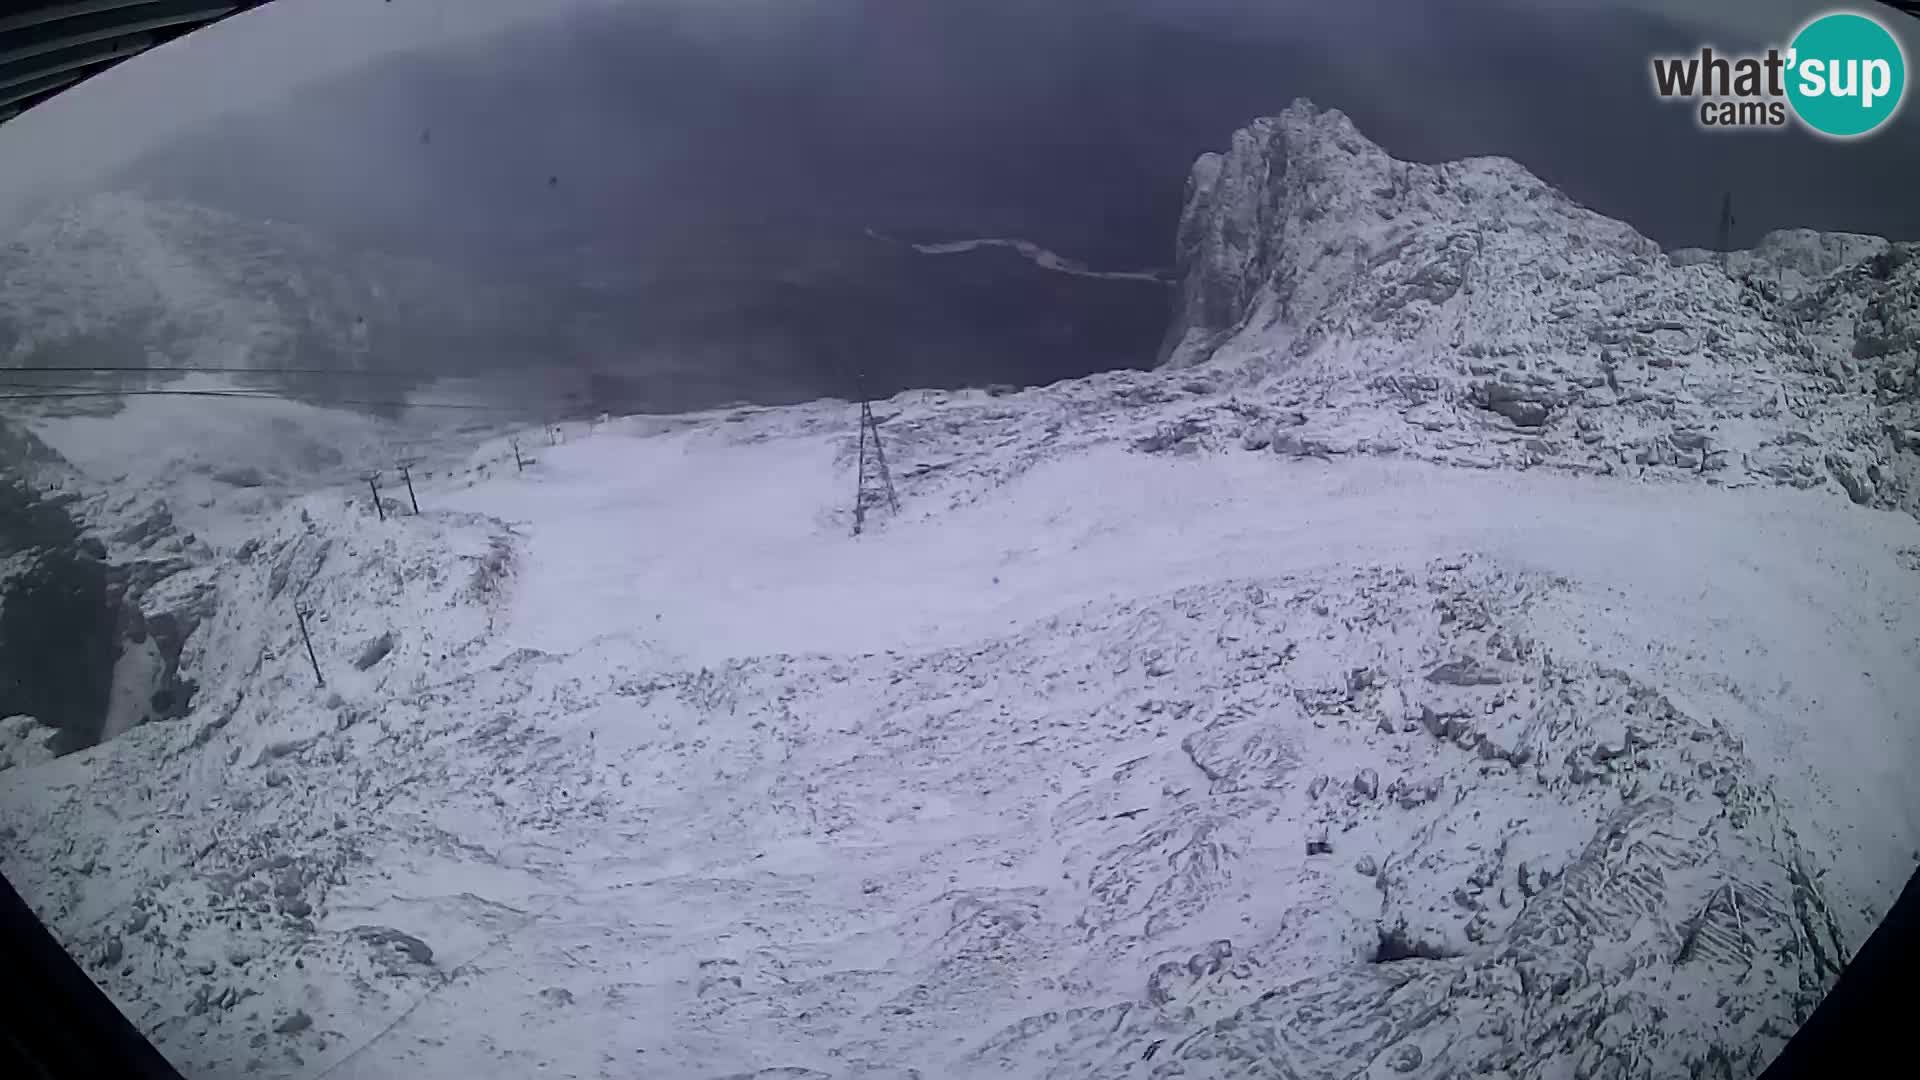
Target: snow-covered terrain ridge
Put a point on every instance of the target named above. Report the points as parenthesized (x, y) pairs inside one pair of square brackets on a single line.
[(1306, 709), (1405, 302)]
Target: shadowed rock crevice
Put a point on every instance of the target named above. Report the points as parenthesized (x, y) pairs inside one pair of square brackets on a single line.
[(1397, 944), (69, 616), (58, 623)]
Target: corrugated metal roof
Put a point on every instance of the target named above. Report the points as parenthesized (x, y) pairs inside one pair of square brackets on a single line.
[(47, 46)]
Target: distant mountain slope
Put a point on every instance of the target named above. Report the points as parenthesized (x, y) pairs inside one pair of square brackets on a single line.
[(118, 279)]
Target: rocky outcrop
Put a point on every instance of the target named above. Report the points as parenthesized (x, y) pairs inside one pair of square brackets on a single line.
[(1222, 245), (1304, 228), (58, 622), (80, 655), (1470, 313)]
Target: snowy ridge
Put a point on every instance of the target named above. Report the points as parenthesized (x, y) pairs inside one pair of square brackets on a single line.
[(1379, 690), (1468, 312), (1793, 258)]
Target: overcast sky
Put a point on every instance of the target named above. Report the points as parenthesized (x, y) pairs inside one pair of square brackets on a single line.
[(244, 62), (693, 182), (1407, 68)]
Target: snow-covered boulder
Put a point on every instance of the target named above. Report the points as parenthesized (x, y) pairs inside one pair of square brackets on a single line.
[(25, 741)]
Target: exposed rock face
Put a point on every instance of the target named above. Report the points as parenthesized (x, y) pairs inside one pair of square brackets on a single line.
[(375, 651), (58, 644), (78, 653), (58, 621), (1304, 228), (1222, 252), (1470, 313)]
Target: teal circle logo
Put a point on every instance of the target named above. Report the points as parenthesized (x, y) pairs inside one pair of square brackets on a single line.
[(1846, 74)]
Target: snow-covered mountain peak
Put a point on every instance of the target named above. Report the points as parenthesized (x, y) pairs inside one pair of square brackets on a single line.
[(1305, 225), (1408, 302)]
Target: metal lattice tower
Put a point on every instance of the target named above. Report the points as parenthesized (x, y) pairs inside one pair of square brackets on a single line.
[(874, 481)]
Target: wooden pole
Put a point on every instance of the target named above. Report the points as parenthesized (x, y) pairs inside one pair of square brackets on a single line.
[(374, 486), (519, 465), (407, 475), (300, 614)]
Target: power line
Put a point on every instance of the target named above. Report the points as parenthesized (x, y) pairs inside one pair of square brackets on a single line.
[(91, 392), (95, 387), (135, 369), (247, 395)]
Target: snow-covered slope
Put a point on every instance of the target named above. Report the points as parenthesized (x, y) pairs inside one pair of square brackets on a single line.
[(215, 467), (1309, 709)]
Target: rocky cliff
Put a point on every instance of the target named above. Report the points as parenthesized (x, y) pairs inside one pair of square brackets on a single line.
[(90, 635)]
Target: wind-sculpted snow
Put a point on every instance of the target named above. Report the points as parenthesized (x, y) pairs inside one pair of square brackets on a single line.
[(1279, 827)]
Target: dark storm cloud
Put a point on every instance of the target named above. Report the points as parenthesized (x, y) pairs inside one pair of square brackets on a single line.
[(1071, 122), (1562, 86), (696, 178)]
